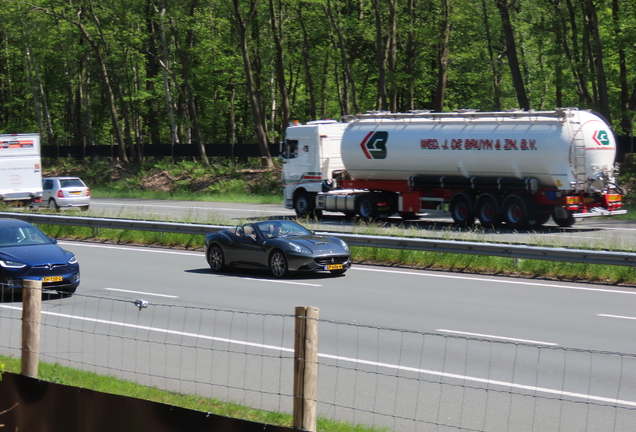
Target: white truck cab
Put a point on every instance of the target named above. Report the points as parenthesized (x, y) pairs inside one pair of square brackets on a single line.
[(310, 154)]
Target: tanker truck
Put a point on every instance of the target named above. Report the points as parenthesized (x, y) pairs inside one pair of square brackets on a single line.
[(517, 168)]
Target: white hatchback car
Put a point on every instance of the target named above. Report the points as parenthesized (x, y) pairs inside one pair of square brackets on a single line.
[(58, 192)]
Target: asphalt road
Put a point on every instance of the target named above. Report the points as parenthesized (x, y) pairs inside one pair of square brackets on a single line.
[(189, 306)]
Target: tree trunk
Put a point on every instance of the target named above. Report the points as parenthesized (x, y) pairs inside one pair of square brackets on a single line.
[(257, 114), (494, 60), (307, 65), (348, 77), (392, 56), (511, 53), (442, 73), (622, 67), (188, 93), (174, 137), (410, 55), (603, 92), (152, 69), (380, 57), (280, 67)]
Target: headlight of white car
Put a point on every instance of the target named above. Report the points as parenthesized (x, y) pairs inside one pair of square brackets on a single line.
[(299, 248), (12, 264)]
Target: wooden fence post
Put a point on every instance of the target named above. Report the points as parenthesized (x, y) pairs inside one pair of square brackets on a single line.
[(305, 368), (31, 308)]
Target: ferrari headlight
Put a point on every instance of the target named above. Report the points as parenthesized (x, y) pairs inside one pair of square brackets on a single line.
[(299, 248), (345, 246), (12, 264)]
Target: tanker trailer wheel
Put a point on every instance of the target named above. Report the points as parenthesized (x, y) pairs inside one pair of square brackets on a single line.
[(488, 211), (408, 216), (564, 222), (516, 212), (542, 218), (461, 210), (304, 205), (367, 207)]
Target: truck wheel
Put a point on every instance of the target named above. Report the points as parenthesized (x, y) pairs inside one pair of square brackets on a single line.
[(515, 212), (305, 206), (488, 212), (462, 211), (564, 222), (367, 208), (542, 219), (408, 215)]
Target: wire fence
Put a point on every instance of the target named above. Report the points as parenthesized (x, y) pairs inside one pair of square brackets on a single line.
[(380, 377)]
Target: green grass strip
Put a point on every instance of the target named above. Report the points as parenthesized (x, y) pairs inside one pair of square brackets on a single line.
[(58, 374)]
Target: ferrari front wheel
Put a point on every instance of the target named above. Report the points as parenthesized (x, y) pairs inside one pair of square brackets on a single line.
[(278, 264), (215, 258)]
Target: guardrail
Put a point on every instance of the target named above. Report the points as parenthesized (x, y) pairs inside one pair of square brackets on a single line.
[(406, 243)]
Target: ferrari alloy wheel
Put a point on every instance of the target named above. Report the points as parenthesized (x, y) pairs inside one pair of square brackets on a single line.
[(278, 264), (215, 258)]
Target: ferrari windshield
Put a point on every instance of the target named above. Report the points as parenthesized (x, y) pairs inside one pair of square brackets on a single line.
[(281, 228)]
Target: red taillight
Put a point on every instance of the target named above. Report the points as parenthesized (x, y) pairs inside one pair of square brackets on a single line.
[(60, 194), (88, 192)]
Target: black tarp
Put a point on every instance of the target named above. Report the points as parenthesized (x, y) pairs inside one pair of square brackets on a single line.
[(47, 407)]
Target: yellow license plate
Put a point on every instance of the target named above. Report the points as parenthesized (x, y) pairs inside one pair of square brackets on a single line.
[(333, 267), (52, 279), (76, 193)]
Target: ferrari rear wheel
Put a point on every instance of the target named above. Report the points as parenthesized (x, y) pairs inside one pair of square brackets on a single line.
[(278, 264), (215, 258)]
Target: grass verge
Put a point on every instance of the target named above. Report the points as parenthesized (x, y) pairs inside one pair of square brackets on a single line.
[(105, 192), (58, 374)]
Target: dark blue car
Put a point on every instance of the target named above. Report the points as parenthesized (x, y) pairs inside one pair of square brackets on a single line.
[(28, 253)]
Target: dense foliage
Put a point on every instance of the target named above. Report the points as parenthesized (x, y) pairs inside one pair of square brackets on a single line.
[(139, 72)]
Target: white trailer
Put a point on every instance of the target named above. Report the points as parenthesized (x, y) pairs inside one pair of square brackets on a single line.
[(20, 169), (518, 168)]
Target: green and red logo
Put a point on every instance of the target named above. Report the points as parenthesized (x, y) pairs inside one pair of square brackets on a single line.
[(601, 137), (374, 145)]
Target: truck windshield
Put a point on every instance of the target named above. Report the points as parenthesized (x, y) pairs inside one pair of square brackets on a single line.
[(289, 149)]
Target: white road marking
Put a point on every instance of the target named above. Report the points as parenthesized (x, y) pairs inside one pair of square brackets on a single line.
[(440, 374), (496, 337), (141, 293), (616, 316), (283, 281), (506, 281)]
